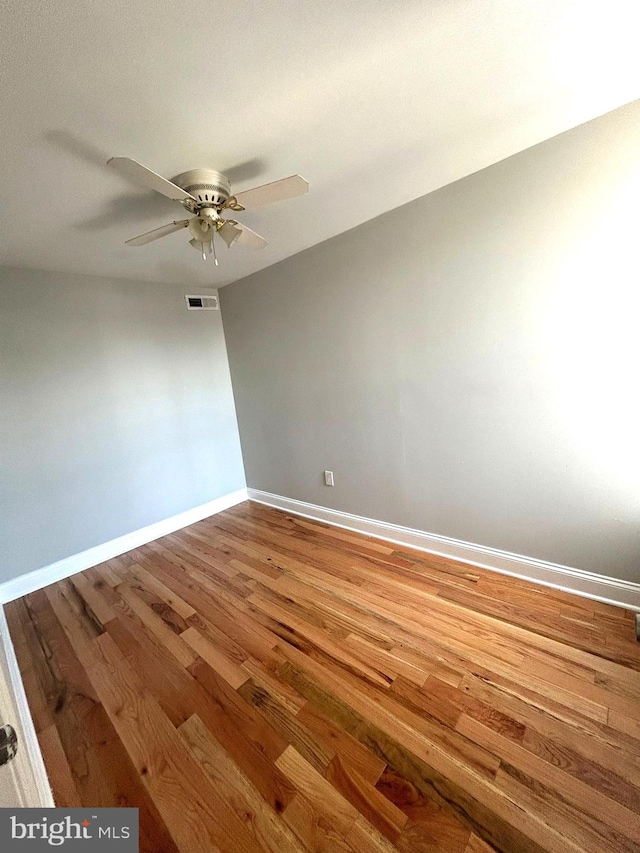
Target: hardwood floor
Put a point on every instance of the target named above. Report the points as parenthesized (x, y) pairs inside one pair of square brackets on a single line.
[(261, 682)]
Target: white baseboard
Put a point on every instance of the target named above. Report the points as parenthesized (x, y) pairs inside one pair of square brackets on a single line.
[(599, 587), (40, 578), (29, 775)]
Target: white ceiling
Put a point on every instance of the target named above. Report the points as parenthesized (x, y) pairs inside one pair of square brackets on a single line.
[(374, 102)]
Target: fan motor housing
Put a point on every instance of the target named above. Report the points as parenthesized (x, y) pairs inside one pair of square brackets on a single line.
[(209, 188)]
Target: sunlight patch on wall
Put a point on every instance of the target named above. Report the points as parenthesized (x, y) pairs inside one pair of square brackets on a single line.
[(594, 341)]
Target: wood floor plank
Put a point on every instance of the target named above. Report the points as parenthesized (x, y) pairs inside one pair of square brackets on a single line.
[(263, 675), (337, 650), (253, 742), (106, 776), (271, 833), (175, 644), (585, 797), (606, 781), (368, 765), (216, 659), (80, 624), (610, 747), (505, 617), (190, 806), (429, 825), (26, 646), (317, 790), (364, 838), (94, 601), (65, 793), (453, 784), (109, 573), (583, 829), (477, 845), (366, 798), (313, 828), (312, 748), (606, 698), (171, 685), (154, 585), (92, 765), (232, 650), (263, 682)]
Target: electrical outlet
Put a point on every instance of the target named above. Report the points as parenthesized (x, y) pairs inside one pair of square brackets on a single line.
[(328, 478)]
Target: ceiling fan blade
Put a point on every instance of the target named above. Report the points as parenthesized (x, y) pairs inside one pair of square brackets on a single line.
[(230, 233), (141, 175), (249, 238), (291, 187), (150, 236)]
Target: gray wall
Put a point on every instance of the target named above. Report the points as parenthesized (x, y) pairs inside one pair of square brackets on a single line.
[(116, 412), (467, 364)]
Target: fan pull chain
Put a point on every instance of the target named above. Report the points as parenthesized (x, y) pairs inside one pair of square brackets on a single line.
[(213, 249)]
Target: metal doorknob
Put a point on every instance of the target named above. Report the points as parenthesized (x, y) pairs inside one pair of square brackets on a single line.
[(8, 744)]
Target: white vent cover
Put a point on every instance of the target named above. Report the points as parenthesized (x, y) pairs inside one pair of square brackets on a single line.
[(208, 302)]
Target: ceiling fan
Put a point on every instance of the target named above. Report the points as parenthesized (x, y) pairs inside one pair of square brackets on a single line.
[(207, 194)]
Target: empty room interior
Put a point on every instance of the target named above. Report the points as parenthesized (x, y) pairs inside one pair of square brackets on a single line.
[(319, 467)]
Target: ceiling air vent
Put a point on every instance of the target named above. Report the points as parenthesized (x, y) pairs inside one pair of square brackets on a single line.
[(202, 303)]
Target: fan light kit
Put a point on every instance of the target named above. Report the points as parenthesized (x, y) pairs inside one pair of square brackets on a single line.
[(207, 194)]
